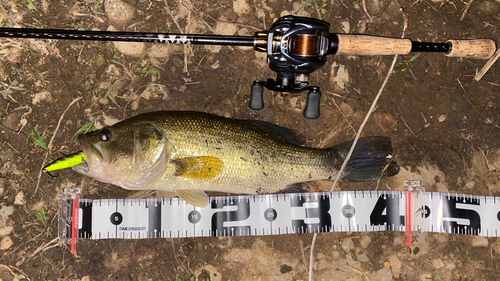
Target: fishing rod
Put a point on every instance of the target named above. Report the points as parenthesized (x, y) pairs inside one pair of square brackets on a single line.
[(295, 47)]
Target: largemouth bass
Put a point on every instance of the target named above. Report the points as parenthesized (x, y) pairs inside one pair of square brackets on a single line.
[(191, 152)]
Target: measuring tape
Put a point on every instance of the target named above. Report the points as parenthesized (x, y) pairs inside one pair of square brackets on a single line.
[(412, 211)]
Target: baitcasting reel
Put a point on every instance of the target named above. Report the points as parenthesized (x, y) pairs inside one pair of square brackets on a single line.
[(296, 46)]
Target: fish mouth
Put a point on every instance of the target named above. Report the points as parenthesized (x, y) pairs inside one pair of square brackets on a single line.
[(94, 151)]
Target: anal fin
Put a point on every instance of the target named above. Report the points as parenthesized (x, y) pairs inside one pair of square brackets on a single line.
[(295, 188), (195, 197)]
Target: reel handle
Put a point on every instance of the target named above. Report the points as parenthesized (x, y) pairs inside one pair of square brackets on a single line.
[(311, 111), (256, 96)]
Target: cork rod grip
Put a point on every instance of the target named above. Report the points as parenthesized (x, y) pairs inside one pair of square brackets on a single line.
[(476, 49), (367, 45)]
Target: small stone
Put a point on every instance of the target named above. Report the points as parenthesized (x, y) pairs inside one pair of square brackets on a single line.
[(119, 13), (335, 254), (437, 263), (285, 268), (99, 59), (470, 184), (384, 274), (395, 265), (240, 7), (224, 28), (214, 49), (6, 243), (450, 266), (6, 211), (346, 27), (479, 241), (42, 96), (339, 77), (85, 278), (19, 200), (361, 255), (425, 276), (347, 245), (6, 230), (385, 121), (352, 262), (215, 65), (37, 205), (364, 241), (420, 246)]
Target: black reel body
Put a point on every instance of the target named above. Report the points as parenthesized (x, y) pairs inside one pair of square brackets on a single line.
[(296, 46)]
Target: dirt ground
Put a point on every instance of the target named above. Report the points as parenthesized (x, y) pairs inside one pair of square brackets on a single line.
[(444, 125)]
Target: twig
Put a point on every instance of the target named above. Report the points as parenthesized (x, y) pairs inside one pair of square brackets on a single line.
[(381, 174), (487, 66), (486, 162), (350, 268), (363, 3), (175, 256), (185, 30), (46, 246), (340, 96), (404, 121), (311, 256), (49, 146), (185, 45), (465, 10), (345, 117), (172, 15)]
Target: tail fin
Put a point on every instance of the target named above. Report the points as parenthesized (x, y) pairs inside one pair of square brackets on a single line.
[(370, 159)]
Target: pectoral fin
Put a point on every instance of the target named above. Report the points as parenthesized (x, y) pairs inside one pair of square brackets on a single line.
[(195, 197), (201, 167)]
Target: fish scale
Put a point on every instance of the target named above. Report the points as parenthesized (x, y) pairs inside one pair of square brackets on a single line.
[(265, 159)]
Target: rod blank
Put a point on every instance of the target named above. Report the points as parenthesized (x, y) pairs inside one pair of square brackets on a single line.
[(347, 44)]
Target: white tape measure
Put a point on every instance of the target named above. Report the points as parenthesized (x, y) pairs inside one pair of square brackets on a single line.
[(411, 211)]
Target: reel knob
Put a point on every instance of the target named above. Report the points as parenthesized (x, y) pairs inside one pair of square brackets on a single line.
[(256, 96), (312, 104)]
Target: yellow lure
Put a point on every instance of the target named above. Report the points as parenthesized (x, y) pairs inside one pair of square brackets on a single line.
[(65, 162)]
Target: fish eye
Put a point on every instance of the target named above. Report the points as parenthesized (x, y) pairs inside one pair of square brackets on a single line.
[(105, 134)]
